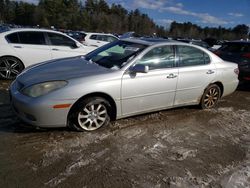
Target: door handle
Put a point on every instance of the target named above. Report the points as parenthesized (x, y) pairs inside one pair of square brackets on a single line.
[(17, 46), (171, 76), (210, 72), (55, 49)]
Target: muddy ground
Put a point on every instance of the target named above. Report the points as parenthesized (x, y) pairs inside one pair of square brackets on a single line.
[(183, 147)]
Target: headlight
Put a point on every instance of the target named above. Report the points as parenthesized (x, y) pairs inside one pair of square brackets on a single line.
[(43, 88)]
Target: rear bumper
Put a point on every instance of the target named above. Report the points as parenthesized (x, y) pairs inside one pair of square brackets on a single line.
[(230, 87)]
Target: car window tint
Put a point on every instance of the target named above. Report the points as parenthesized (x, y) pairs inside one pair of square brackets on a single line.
[(60, 40), (233, 47), (158, 58), (93, 37), (12, 38), (101, 37), (190, 56), (36, 38), (206, 58)]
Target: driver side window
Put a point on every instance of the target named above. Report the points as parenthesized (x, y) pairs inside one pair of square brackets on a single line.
[(159, 58)]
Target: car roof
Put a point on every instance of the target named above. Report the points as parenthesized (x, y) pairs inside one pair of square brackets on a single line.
[(152, 41), (29, 29)]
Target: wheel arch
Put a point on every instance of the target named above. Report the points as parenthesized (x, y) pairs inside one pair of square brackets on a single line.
[(97, 94), (219, 84), (14, 57)]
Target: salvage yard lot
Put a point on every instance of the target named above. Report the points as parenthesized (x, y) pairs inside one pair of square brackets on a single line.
[(182, 147)]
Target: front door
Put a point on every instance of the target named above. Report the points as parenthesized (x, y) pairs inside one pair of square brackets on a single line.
[(144, 92), (62, 46)]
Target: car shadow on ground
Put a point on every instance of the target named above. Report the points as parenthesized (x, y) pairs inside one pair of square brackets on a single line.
[(244, 86), (20, 127)]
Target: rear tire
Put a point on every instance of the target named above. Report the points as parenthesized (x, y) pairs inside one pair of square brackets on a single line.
[(10, 67), (210, 97), (90, 114)]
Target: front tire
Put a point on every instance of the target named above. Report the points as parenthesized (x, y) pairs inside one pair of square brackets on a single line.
[(210, 97), (90, 114), (10, 67)]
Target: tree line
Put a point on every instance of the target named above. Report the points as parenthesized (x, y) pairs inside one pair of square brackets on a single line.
[(98, 16)]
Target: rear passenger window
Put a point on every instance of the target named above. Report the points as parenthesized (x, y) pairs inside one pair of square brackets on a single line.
[(159, 58), (190, 56), (36, 38), (12, 38)]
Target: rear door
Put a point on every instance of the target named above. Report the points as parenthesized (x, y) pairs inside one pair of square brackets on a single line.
[(196, 72), (30, 46)]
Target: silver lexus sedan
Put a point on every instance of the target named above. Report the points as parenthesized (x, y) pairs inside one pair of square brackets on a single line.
[(121, 79)]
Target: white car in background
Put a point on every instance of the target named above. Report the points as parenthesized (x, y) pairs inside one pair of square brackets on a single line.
[(98, 39), (21, 48)]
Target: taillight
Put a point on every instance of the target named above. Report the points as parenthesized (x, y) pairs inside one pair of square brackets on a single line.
[(236, 71), (247, 55), (246, 78)]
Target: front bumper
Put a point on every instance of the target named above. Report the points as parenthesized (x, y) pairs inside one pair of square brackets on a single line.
[(39, 111)]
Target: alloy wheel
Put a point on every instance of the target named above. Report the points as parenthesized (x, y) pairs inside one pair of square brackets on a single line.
[(211, 96), (92, 116), (10, 67)]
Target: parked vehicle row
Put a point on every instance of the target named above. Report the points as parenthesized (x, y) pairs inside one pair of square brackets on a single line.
[(195, 42), (21, 48), (92, 39), (121, 79), (238, 52)]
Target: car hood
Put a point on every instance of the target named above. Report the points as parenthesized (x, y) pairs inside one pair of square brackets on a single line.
[(61, 69)]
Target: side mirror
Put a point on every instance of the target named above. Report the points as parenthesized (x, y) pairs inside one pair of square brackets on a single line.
[(139, 68)]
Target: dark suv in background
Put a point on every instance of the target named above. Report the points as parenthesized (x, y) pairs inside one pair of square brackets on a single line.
[(238, 52)]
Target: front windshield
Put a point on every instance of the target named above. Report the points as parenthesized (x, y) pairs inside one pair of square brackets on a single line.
[(116, 54)]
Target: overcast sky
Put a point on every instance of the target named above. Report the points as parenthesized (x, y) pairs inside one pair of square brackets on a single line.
[(226, 13)]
